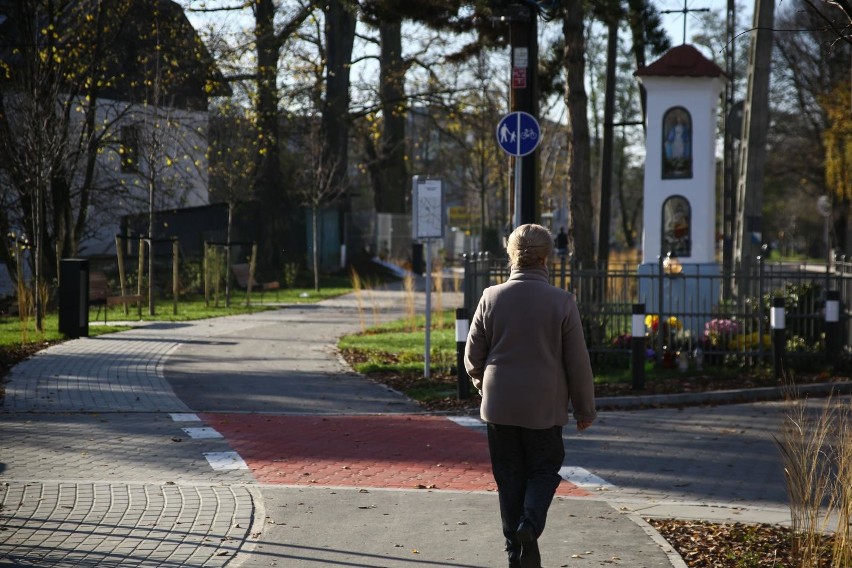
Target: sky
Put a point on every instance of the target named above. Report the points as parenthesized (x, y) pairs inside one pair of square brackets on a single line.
[(674, 22)]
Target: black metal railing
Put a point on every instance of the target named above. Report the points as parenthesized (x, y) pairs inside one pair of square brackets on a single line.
[(699, 310)]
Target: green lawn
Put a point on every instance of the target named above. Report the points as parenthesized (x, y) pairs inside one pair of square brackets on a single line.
[(14, 332)]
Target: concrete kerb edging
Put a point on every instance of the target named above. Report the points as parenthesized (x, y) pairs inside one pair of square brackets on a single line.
[(724, 396), (258, 522), (675, 558), (639, 402)]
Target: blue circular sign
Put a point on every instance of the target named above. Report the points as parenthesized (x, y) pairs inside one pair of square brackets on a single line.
[(518, 133)]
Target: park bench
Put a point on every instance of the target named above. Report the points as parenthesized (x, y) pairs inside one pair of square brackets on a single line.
[(101, 296), (242, 275)]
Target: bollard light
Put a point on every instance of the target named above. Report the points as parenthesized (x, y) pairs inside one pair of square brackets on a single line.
[(637, 322), (833, 333), (778, 324), (462, 330), (832, 307), (637, 329), (777, 314)]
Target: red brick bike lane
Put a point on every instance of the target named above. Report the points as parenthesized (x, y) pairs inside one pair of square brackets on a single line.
[(377, 451)]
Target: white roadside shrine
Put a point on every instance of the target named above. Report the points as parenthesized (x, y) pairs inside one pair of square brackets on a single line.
[(679, 215)]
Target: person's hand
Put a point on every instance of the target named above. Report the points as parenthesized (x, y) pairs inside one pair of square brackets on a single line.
[(583, 424)]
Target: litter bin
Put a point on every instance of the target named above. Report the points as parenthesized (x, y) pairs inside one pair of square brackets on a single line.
[(74, 297)]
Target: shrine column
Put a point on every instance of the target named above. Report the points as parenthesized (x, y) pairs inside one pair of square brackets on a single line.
[(679, 213)]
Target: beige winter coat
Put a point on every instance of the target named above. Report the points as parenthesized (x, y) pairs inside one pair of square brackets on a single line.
[(525, 351)]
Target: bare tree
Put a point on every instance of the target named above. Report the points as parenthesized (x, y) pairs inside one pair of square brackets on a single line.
[(319, 186), (35, 112)]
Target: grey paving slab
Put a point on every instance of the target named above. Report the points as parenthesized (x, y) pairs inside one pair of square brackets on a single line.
[(308, 527), (286, 365)]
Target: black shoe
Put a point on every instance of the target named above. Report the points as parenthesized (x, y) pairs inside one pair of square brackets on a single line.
[(530, 556), (515, 564)]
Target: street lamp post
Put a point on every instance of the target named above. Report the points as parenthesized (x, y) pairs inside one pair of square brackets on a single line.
[(523, 39)]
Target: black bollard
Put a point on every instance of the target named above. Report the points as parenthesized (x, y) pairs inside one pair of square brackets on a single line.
[(637, 345), (777, 316), (462, 329), (833, 343)]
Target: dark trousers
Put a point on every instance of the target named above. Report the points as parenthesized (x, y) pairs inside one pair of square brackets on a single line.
[(526, 465)]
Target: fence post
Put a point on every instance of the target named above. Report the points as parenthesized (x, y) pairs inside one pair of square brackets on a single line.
[(659, 331), (761, 259), (467, 282), (833, 345), (779, 335), (175, 274), (637, 344), (462, 329)]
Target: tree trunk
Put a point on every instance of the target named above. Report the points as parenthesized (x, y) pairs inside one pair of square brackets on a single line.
[(340, 37), (579, 173), (315, 247), (391, 190), (268, 46), (607, 151), (278, 212)]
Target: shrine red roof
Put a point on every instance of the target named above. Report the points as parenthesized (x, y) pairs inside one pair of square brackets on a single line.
[(681, 61)]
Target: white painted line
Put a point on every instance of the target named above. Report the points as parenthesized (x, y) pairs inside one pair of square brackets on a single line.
[(225, 460), (469, 421), (201, 433), (577, 475), (583, 478), (185, 417)]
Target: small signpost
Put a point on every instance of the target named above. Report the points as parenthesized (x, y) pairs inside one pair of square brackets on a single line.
[(518, 134), (428, 210)]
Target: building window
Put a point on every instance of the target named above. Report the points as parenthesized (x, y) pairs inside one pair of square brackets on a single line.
[(677, 144), (129, 149)]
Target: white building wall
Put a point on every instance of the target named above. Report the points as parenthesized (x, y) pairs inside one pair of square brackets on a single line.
[(172, 156)]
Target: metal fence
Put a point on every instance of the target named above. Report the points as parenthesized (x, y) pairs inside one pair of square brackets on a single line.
[(699, 314)]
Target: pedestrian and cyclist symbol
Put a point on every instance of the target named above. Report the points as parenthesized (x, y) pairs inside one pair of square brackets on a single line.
[(518, 133)]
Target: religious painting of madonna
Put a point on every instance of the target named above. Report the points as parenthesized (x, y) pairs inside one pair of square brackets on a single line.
[(677, 144)]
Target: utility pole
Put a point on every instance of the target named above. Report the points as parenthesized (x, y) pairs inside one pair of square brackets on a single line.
[(752, 162), (523, 39), (733, 131)]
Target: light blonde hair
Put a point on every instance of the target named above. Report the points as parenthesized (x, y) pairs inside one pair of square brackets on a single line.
[(529, 245)]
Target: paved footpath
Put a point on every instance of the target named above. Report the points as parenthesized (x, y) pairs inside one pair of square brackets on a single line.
[(246, 441)]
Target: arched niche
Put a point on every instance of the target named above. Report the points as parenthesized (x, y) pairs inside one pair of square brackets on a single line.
[(677, 226), (677, 144)]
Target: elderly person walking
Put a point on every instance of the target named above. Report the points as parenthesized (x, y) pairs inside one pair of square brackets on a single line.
[(527, 356)]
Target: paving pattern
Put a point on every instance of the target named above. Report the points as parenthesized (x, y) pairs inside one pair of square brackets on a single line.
[(391, 451), (107, 524)]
